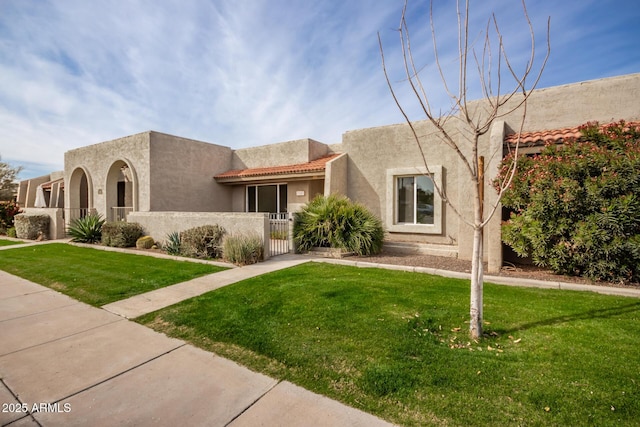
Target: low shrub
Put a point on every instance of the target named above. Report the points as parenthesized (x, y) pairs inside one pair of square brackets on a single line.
[(32, 227), (121, 234), (11, 232), (87, 229), (145, 242), (8, 210), (243, 249), (337, 222), (202, 242), (173, 244)]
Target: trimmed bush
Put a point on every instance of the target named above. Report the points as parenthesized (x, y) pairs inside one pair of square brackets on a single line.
[(32, 227), (121, 234), (243, 249), (145, 242), (337, 222), (87, 229), (202, 242), (576, 207), (11, 232)]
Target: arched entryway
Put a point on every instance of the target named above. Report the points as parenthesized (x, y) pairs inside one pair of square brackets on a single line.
[(121, 191), (80, 195)]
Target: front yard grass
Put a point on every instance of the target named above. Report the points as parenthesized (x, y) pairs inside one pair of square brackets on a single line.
[(395, 344), (94, 276), (5, 242)]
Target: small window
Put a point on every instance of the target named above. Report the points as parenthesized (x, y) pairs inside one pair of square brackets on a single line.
[(414, 200), (412, 204)]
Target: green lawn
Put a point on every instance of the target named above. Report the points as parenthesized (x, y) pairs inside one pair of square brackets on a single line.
[(94, 276), (5, 242), (395, 344)]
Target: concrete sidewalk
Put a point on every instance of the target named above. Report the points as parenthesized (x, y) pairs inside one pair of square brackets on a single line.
[(64, 363)]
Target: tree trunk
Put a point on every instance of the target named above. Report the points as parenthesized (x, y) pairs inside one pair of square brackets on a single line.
[(477, 279)]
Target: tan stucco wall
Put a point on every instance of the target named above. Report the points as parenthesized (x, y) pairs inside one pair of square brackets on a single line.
[(335, 176), (181, 175), (97, 161), (283, 153), (159, 224), (27, 190), (372, 152)]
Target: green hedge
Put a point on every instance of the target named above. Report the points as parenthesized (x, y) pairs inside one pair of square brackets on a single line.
[(576, 207), (121, 234)]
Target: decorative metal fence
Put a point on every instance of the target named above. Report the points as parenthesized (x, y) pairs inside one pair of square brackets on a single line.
[(71, 214), (120, 213), (278, 233)]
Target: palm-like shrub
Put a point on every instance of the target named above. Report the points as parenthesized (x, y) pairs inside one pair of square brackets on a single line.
[(337, 222), (87, 229)]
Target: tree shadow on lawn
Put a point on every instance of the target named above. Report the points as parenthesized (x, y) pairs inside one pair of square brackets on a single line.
[(587, 315)]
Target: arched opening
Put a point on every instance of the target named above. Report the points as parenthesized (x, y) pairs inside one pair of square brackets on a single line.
[(80, 195), (121, 191)]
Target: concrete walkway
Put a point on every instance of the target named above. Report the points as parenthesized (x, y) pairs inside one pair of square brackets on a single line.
[(64, 363), (164, 297)]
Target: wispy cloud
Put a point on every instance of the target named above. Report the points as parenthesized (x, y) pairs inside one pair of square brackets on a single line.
[(254, 71)]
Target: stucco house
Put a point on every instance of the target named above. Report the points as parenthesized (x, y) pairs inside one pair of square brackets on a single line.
[(168, 183)]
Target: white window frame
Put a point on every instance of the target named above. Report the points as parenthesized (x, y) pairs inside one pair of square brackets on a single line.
[(392, 200)]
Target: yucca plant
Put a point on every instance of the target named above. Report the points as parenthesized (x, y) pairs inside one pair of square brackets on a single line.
[(87, 229), (337, 222)]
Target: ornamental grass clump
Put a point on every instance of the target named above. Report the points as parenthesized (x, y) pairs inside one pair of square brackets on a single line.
[(243, 249), (87, 229), (576, 207), (337, 222)]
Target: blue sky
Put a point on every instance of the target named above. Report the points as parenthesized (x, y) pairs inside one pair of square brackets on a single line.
[(251, 72)]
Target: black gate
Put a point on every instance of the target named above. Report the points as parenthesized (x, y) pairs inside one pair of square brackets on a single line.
[(278, 234)]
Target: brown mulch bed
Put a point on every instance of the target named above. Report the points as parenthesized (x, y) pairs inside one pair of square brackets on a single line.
[(454, 264)]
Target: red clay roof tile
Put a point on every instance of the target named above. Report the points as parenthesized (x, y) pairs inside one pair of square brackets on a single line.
[(317, 165), (550, 136)]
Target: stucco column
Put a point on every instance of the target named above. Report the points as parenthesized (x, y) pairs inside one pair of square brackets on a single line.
[(493, 230)]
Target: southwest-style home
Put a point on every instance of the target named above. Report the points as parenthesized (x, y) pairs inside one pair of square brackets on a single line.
[(168, 183)]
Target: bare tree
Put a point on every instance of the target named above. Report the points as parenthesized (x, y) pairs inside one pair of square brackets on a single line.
[(8, 178), (474, 119)]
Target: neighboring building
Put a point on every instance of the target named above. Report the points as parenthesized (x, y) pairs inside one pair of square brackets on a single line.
[(161, 181)]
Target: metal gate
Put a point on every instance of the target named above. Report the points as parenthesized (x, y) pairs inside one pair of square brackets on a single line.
[(278, 234)]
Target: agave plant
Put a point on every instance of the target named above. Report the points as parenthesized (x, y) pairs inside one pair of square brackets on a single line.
[(87, 229), (173, 246)]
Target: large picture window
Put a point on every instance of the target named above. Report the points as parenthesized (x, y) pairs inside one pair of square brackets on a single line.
[(413, 205), (267, 198)]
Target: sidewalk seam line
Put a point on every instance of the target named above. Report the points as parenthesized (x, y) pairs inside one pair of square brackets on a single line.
[(64, 337), (252, 404), (120, 373)]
